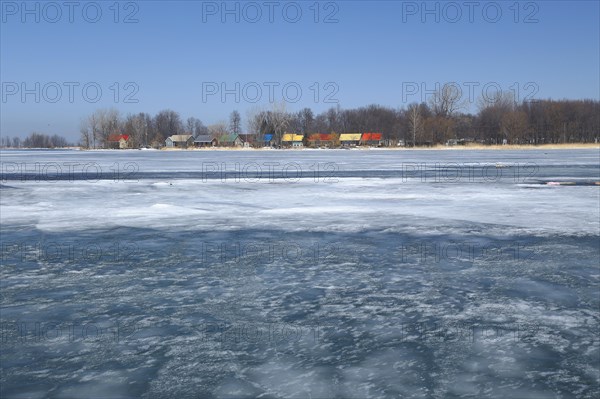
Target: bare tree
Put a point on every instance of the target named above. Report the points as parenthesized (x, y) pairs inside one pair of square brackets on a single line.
[(254, 120), (168, 123), (136, 126), (514, 125), (93, 122), (332, 117), (141, 126), (306, 120), (257, 122), (218, 130), (279, 119), (195, 127), (492, 111), (415, 121), (499, 100), (446, 101), (57, 141), (86, 134), (102, 123), (235, 123), (40, 140)]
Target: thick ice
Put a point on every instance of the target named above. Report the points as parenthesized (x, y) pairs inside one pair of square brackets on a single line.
[(190, 275)]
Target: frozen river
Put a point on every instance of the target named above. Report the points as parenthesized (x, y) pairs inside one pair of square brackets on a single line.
[(305, 274)]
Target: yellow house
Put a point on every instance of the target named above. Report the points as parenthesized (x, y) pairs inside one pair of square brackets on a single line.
[(292, 139), (350, 139)]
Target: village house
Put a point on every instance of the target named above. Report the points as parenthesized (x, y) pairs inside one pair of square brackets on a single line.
[(268, 140), (292, 140), (317, 140), (371, 139), (205, 140), (231, 140), (179, 141), (118, 141), (350, 139)]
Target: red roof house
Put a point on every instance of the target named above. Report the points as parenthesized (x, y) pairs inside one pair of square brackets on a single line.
[(118, 141), (320, 139), (371, 138)]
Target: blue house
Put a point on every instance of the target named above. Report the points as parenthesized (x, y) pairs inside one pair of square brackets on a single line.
[(268, 138)]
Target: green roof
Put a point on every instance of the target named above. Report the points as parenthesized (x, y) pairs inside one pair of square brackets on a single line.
[(228, 138)]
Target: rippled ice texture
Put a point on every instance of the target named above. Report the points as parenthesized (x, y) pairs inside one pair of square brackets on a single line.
[(308, 274)]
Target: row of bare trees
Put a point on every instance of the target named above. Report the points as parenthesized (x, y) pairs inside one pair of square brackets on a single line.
[(142, 128), (146, 130), (533, 122), (442, 118), (34, 140)]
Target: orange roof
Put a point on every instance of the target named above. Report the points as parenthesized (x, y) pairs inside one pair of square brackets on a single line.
[(320, 137), (371, 137)]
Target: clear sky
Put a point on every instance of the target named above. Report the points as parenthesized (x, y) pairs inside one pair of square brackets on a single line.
[(152, 55)]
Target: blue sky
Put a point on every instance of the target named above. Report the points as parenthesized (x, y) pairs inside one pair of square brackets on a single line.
[(369, 52)]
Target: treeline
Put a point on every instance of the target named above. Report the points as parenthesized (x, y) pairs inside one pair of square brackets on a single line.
[(142, 128), (434, 122), (35, 140), (441, 119)]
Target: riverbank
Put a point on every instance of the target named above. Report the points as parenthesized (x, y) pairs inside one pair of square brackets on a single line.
[(568, 146)]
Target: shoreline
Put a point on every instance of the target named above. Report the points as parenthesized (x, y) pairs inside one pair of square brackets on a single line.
[(572, 146)]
